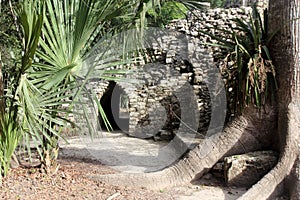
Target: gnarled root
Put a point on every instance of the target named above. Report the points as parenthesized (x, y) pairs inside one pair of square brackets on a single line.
[(242, 135), (267, 185)]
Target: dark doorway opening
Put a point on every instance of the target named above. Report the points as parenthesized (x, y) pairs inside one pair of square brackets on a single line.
[(115, 103)]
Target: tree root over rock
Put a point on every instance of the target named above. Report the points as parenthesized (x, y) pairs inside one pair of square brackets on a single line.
[(246, 133), (264, 188)]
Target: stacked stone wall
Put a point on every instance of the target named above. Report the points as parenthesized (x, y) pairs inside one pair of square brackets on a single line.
[(154, 105), (239, 3)]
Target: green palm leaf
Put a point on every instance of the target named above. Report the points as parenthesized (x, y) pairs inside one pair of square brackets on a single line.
[(57, 38)]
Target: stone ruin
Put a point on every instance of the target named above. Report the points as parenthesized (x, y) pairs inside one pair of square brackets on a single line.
[(239, 3), (153, 107)]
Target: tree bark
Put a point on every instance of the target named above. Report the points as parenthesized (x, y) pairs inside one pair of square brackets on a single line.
[(285, 51)]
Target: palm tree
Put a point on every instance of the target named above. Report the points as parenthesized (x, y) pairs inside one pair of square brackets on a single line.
[(57, 37), (67, 32), (54, 33)]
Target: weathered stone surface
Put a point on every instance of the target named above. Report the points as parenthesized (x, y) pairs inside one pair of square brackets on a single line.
[(246, 169), (14, 163), (238, 3), (158, 86)]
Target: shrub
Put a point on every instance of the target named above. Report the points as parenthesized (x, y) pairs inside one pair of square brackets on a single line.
[(169, 10), (247, 63)]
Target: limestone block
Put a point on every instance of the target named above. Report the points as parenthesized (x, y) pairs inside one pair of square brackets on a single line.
[(246, 169)]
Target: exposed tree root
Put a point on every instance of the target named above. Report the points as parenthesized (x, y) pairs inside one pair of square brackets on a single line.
[(267, 185), (242, 135)]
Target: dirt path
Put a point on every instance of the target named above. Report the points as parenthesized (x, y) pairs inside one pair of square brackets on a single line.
[(82, 158), (126, 154), (69, 183)]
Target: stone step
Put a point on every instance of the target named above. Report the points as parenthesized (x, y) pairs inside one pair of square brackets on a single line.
[(246, 169)]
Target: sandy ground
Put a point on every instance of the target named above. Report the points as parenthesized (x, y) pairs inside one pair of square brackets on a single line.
[(82, 158), (127, 154)]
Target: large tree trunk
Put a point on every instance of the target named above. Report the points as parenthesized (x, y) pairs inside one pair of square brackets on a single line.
[(286, 56), (285, 50), (246, 133)]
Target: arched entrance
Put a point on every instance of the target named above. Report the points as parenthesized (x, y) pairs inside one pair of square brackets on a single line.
[(115, 103)]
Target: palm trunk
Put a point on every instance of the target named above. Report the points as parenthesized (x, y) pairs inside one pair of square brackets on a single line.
[(267, 186), (286, 56), (50, 153)]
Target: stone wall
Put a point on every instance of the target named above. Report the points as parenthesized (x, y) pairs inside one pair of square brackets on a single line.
[(239, 3), (154, 103), (171, 88)]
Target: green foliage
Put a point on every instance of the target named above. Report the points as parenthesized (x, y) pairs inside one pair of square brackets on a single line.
[(10, 44), (67, 28), (56, 37), (217, 3), (162, 12), (9, 139), (10, 51), (168, 11), (247, 64), (18, 101)]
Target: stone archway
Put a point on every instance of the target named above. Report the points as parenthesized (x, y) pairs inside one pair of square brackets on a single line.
[(115, 103)]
